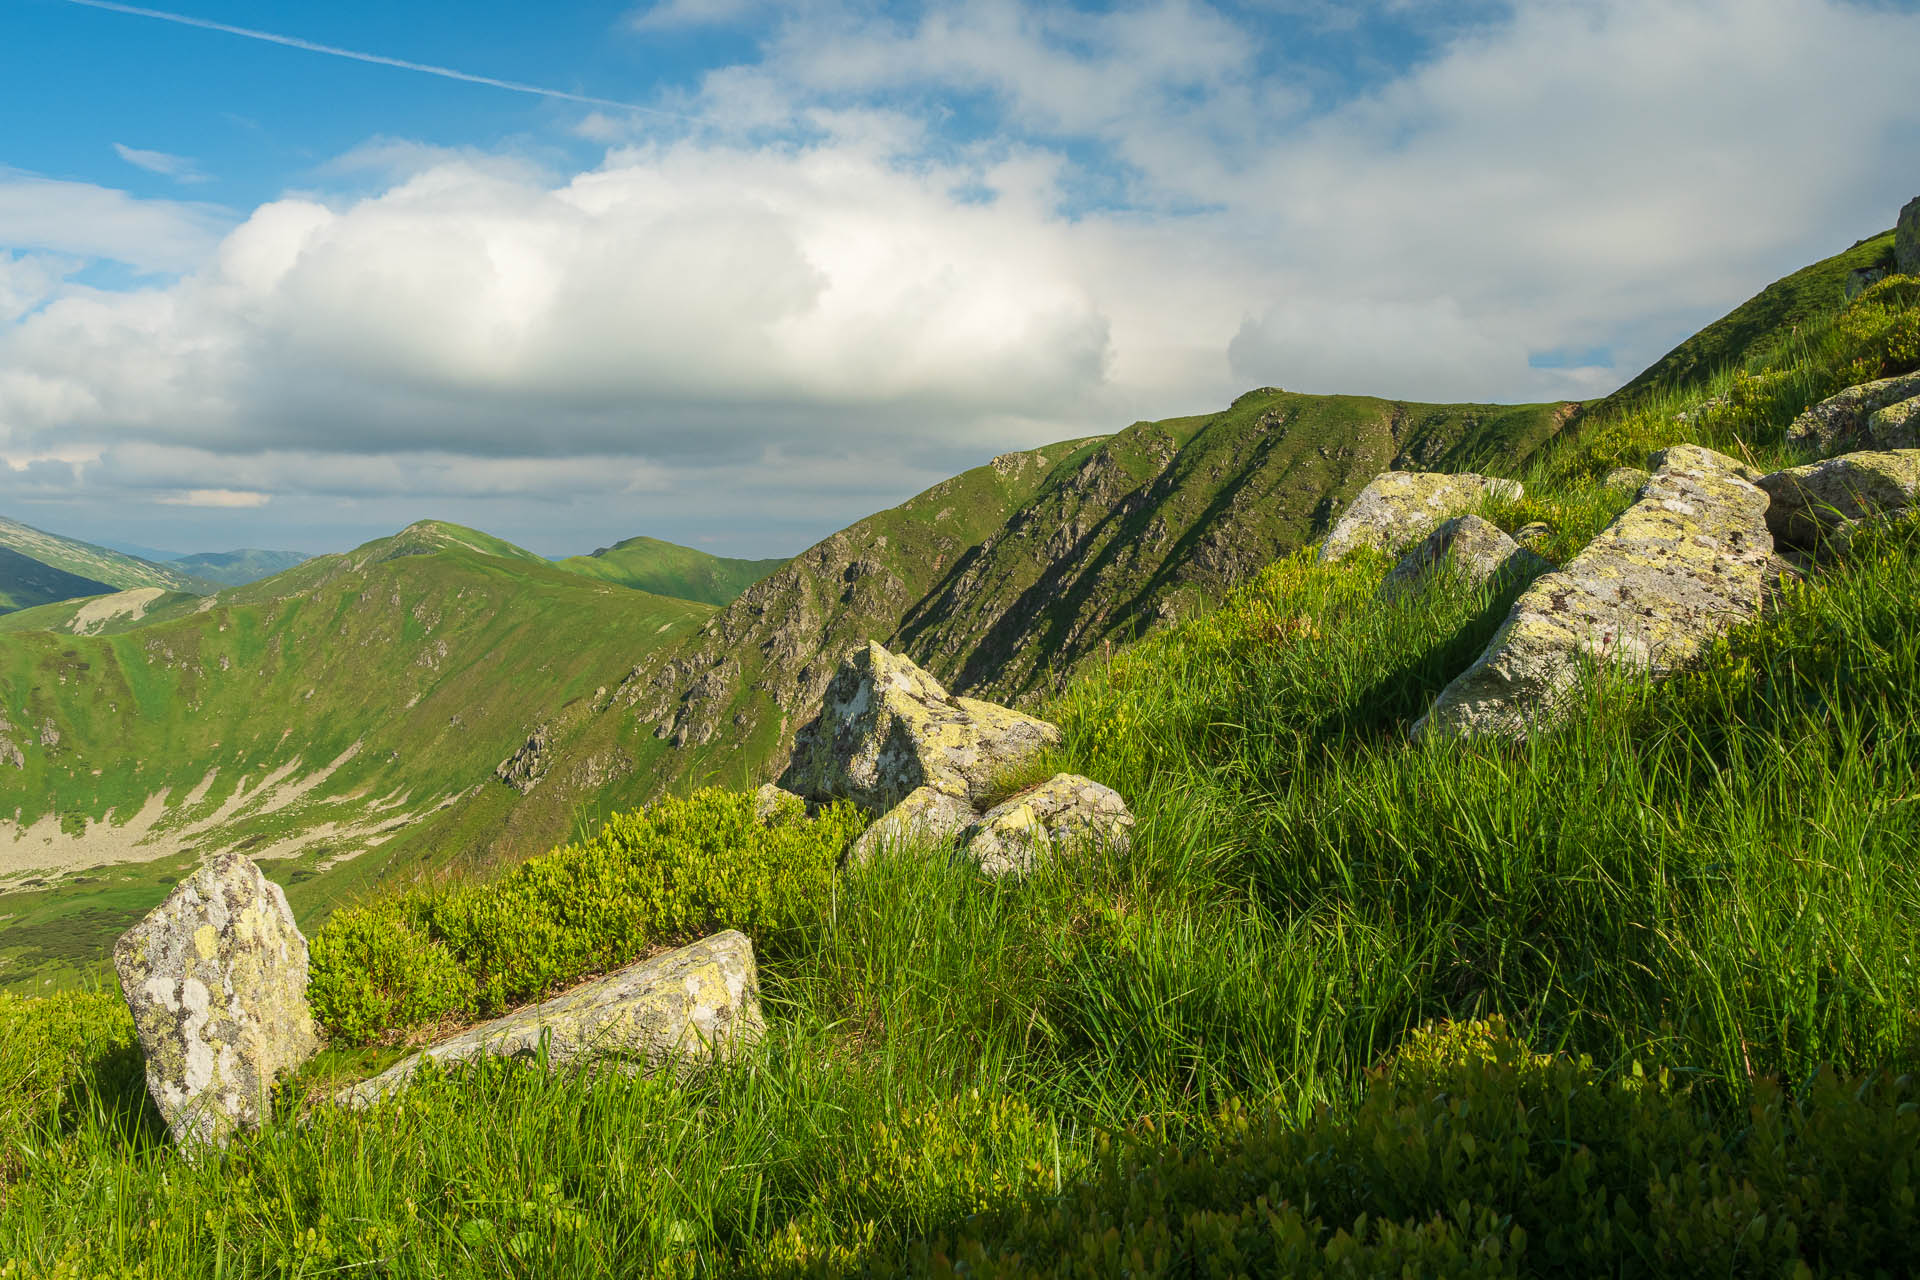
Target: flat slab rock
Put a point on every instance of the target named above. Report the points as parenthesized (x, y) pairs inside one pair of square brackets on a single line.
[(1064, 811), (700, 1003), (1398, 508), (1824, 501), (1471, 550), (1686, 561), (886, 728), (216, 978)]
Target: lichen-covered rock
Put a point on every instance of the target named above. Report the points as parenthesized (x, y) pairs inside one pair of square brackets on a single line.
[(1472, 550), (926, 816), (1065, 810), (1627, 478), (1398, 508), (1822, 502), (1895, 427), (1839, 422), (775, 806), (1686, 561), (698, 1004), (886, 728), (1533, 533), (216, 977), (524, 769), (1906, 239)]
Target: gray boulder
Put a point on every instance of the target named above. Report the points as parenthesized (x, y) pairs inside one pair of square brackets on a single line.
[(216, 977), (1823, 502), (886, 728), (1473, 551), (1895, 427), (926, 816), (1839, 422), (1906, 239), (696, 1005), (1686, 561), (1398, 508), (776, 807), (1066, 810)]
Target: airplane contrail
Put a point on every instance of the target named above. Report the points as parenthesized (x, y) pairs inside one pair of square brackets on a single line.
[(295, 42)]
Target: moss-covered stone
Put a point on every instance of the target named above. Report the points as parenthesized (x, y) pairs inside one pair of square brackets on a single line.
[(700, 1003), (1895, 427), (1822, 502), (886, 728), (1471, 550), (776, 806), (1066, 810), (1686, 561), (216, 977), (927, 816), (1839, 423), (1398, 508)]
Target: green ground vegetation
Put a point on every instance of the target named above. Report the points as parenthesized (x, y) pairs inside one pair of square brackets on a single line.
[(1638, 997), (648, 564)]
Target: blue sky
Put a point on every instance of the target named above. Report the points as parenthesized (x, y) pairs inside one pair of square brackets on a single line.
[(260, 295)]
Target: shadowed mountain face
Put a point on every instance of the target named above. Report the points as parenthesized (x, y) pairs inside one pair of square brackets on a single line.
[(1001, 581), (118, 571)]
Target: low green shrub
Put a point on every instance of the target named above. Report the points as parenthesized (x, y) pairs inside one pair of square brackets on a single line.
[(677, 870), (1471, 1155)]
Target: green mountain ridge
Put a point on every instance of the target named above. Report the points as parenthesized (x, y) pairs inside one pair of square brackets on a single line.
[(667, 569), (237, 568), (118, 571)]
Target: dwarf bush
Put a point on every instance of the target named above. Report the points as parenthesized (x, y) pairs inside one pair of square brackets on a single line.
[(675, 871)]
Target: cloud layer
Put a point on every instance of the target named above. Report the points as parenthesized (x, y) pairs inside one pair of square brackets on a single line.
[(897, 247)]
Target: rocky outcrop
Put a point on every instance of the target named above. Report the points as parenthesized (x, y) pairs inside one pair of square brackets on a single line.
[(886, 728), (1906, 239), (1066, 811), (1839, 423), (524, 769), (695, 1005), (1472, 550), (1686, 561), (1823, 502), (216, 977), (1399, 508), (926, 816)]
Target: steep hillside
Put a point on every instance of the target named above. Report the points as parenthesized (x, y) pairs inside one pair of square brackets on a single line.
[(309, 719), (648, 564), (1004, 579), (106, 614), (235, 568), (1761, 322), (98, 564), (26, 582)]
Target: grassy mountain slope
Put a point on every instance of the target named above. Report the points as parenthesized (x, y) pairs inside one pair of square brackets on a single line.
[(1636, 998), (648, 564), (312, 718), (108, 614), (26, 582), (1768, 319), (98, 564), (234, 568)]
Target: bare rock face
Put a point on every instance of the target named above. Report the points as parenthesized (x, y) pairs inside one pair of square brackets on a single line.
[(524, 769), (1906, 239), (886, 728), (1824, 501), (1473, 551), (1065, 810), (1839, 422), (698, 1004), (1398, 508), (1686, 561), (926, 816), (216, 977)]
